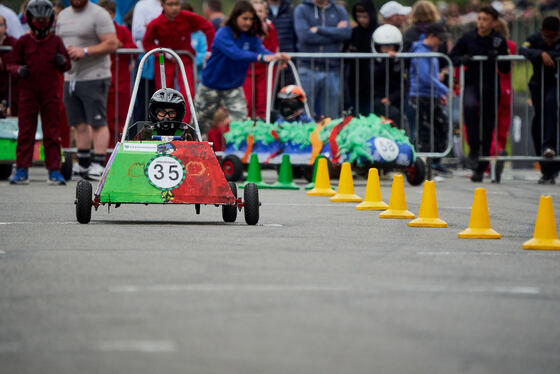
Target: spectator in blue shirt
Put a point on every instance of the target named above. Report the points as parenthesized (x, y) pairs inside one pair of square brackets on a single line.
[(428, 94), (235, 46), (321, 26)]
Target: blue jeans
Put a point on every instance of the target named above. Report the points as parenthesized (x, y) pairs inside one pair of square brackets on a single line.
[(322, 90)]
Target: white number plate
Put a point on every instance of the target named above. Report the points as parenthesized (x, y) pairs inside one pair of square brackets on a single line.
[(165, 172), (386, 148)]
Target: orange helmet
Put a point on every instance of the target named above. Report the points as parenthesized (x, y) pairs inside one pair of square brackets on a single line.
[(291, 92)]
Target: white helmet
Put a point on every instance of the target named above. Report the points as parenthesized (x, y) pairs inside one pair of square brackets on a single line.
[(386, 34)]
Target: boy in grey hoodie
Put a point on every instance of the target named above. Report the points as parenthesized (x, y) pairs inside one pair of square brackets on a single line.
[(321, 27)]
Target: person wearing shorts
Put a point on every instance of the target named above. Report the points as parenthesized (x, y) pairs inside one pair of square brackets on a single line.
[(89, 35)]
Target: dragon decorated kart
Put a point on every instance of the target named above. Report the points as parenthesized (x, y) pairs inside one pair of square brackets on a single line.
[(165, 169), (365, 142)]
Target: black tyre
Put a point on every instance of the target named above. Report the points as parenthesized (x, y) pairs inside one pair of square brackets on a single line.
[(232, 167), (5, 171), (416, 174), (83, 201), (308, 173), (67, 166), (229, 212), (251, 203)]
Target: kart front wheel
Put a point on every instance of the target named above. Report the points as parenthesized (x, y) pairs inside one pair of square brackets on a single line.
[(232, 167), (229, 212), (416, 174), (251, 203), (83, 201)]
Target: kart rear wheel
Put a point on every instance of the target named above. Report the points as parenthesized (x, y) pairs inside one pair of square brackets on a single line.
[(416, 174), (251, 203), (83, 201), (229, 212), (232, 167), (5, 171), (67, 166)]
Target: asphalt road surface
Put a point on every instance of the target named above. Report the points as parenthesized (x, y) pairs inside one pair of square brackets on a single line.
[(315, 287)]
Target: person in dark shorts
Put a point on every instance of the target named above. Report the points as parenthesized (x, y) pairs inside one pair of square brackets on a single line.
[(89, 35)]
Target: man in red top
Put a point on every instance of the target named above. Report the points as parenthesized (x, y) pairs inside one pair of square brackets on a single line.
[(6, 40), (120, 71), (172, 29), (256, 95)]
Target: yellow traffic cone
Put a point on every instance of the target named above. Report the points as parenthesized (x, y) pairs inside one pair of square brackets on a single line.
[(428, 215), (345, 192), (479, 223), (397, 201), (373, 200), (545, 236), (322, 181)]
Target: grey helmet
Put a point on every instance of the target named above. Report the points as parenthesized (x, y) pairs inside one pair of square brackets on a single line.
[(40, 9)]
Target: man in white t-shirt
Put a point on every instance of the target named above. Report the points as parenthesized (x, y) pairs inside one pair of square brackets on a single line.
[(89, 36), (15, 29)]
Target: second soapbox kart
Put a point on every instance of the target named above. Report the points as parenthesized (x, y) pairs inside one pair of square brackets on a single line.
[(165, 170)]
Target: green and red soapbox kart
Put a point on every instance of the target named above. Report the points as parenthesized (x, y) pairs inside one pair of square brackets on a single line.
[(165, 169)]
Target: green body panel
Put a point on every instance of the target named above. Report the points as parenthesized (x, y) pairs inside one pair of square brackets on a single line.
[(8, 149), (126, 181)]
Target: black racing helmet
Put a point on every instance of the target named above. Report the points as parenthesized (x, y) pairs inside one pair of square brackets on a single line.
[(165, 98), (40, 9)]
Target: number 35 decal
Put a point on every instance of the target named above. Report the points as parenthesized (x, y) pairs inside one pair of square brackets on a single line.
[(165, 172)]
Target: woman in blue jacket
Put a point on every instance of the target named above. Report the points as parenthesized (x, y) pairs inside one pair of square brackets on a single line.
[(235, 47)]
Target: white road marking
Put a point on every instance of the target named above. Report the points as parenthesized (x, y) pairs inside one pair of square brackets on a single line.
[(2, 252), (474, 253), (40, 223), (10, 347), (513, 290), (306, 204), (272, 225), (223, 288), (144, 346)]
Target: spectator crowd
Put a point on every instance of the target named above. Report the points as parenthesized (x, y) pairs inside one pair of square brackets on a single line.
[(226, 55)]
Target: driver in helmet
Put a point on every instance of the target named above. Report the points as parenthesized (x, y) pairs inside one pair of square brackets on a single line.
[(292, 105), (387, 72), (166, 111), (36, 59)]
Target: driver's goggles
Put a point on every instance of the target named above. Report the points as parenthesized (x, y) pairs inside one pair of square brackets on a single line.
[(171, 114)]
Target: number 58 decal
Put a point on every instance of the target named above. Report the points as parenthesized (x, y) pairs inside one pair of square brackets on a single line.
[(165, 172)]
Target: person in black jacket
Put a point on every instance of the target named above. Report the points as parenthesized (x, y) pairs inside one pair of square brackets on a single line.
[(542, 49), (481, 85), (365, 15), (281, 14)]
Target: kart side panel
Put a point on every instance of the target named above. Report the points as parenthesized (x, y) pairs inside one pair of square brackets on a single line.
[(203, 180)]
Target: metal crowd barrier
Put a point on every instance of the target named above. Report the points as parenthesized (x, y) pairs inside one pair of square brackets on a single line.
[(520, 123), (129, 52)]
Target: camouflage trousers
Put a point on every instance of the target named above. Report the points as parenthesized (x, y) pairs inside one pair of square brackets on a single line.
[(208, 100)]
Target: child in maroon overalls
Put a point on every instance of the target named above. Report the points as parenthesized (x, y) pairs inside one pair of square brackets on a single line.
[(36, 58)]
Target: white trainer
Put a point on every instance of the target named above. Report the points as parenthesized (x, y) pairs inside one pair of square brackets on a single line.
[(95, 171)]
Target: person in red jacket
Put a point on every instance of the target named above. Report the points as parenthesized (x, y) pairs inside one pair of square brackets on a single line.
[(255, 84), (504, 106), (116, 114), (172, 29), (36, 58), (8, 41)]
